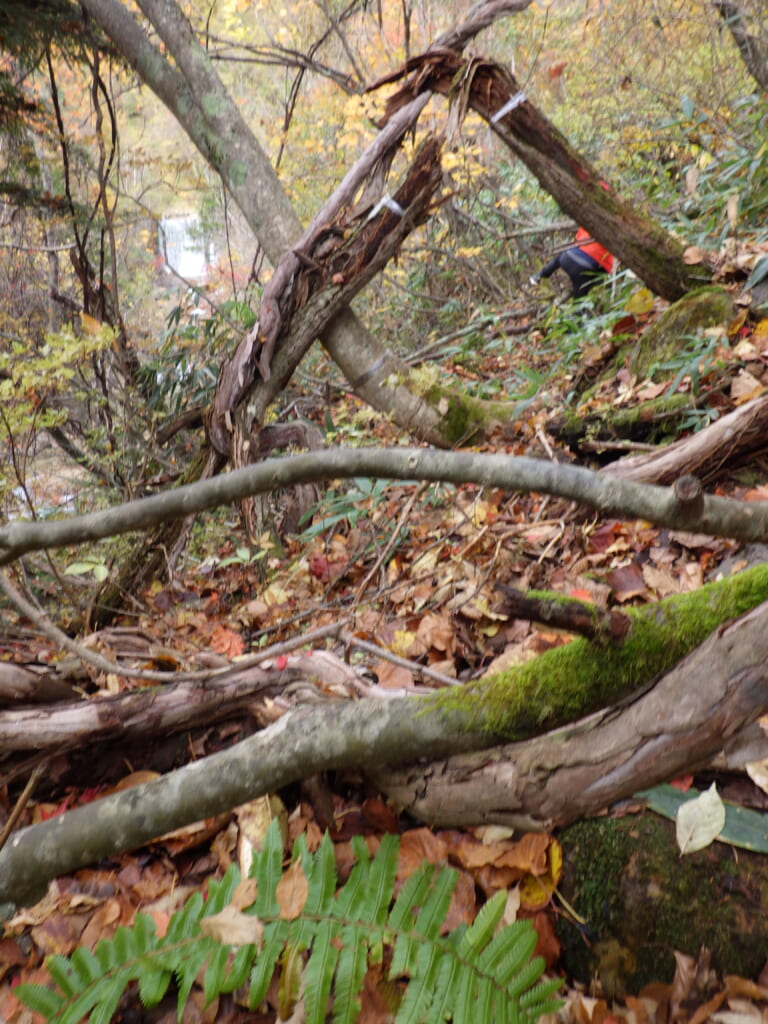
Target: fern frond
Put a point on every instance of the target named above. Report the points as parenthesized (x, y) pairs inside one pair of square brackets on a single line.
[(480, 932), (526, 977), (153, 983), (350, 973), (239, 968), (189, 966), (267, 868), (220, 893), (40, 1000), (538, 1000), (275, 936), (319, 972), (382, 879), (476, 974), (185, 922), (62, 974), (215, 971), (420, 991), (402, 920)]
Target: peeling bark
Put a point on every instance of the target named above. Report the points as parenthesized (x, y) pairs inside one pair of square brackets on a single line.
[(151, 711), (316, 280)]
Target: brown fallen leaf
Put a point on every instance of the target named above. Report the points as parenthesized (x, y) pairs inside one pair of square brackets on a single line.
[(233, 928), (292, 891)]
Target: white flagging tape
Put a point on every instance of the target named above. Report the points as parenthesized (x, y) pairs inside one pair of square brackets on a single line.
[(512, 102), (389, 203)]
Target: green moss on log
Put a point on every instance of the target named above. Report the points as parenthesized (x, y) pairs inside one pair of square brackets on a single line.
[(566, 683)]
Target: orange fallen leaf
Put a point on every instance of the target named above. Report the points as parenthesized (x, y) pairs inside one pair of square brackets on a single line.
[(227, 642)]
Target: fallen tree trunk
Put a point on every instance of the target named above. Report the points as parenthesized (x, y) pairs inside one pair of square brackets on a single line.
[(494, 93), (641, 422), (155, 710), (563, 684), (726, 442), (678, 723)]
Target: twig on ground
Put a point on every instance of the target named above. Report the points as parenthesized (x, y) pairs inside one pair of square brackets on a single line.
[(395, 659), (22, 802), (392, 540)]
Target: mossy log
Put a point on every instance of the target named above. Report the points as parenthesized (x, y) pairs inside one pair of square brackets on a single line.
[(655, 419), (640, 901), (662, 341), (651, 421), (670, 704)]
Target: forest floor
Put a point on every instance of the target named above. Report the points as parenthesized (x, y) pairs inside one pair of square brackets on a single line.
[(411, 574)]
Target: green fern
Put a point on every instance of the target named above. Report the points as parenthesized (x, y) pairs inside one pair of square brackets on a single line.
[(475, 974)]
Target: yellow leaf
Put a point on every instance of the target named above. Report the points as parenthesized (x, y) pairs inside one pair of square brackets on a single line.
[(91, 325), (761, 331), (640, 302), (406, 644), (536, 890), (425, 562)]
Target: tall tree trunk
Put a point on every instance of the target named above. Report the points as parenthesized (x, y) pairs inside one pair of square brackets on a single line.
[(752, 49)]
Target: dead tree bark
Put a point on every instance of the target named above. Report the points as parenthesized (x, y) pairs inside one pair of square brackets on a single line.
[(494, 93), (724, 443)]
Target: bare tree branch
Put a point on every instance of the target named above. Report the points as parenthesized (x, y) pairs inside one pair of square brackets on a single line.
[(721, 517)]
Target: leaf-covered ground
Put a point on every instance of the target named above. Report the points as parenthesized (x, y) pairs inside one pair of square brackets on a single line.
[(410, 575)]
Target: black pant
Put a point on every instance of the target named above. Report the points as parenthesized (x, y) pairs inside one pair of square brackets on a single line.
[(583, 270)]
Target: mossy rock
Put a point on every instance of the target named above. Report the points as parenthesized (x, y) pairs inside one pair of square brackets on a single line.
[(705, 307), (641, 901)]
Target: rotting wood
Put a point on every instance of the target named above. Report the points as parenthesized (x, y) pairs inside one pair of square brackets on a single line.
[(726, 442)]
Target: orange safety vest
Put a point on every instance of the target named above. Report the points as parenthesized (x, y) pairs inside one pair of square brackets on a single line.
[(594, 249)]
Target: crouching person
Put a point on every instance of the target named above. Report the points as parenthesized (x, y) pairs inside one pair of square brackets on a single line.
[(585, 263)]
